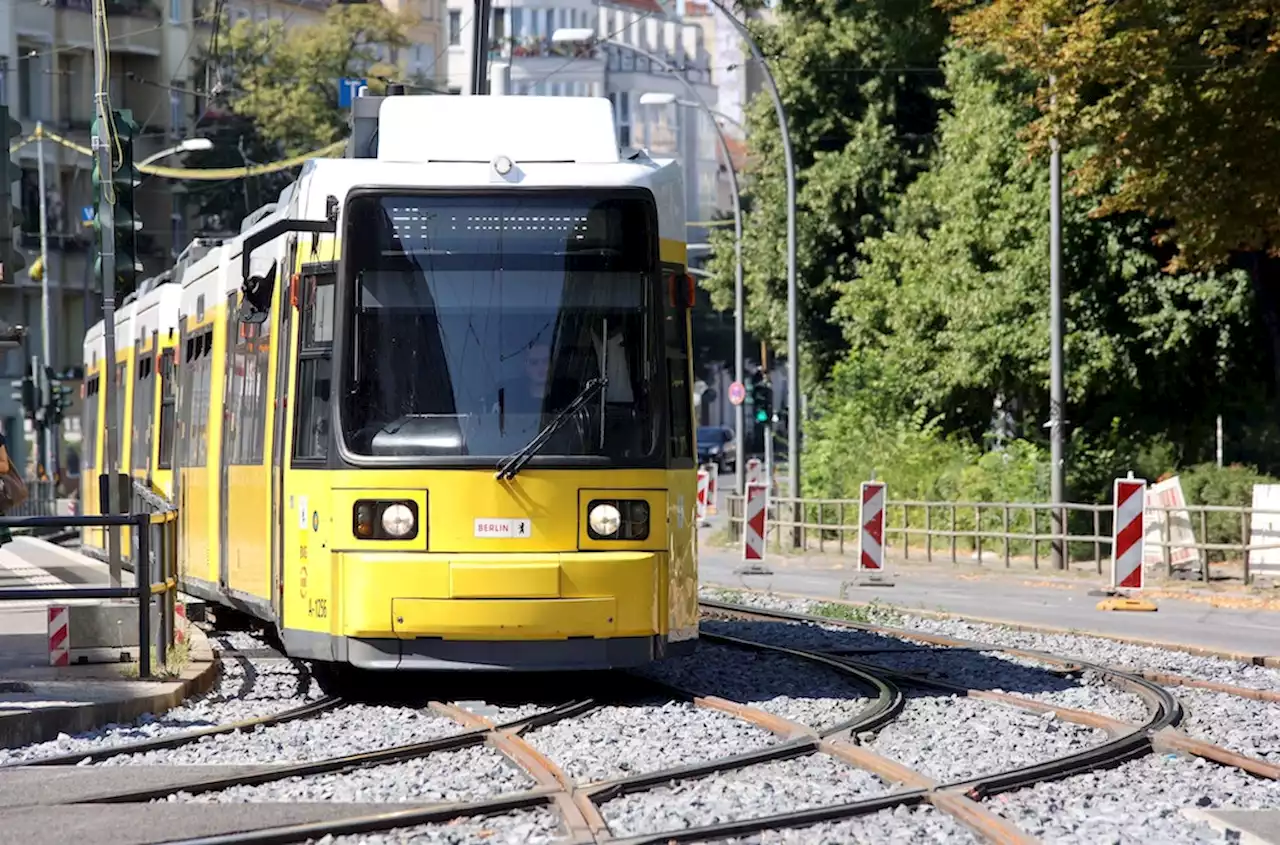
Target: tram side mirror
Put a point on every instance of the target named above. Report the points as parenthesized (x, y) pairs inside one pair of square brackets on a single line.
[(257, 296)]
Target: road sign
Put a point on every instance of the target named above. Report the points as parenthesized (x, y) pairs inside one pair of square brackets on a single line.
[(86, 213), (737, 393), (347, 90)]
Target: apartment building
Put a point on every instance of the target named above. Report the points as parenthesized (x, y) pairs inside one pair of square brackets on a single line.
[(156, 69)]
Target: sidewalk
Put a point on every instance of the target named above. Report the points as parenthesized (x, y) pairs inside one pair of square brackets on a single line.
[(39, 701), (1211, 617)]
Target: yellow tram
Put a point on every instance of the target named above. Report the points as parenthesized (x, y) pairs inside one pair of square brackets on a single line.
[(432, 408)]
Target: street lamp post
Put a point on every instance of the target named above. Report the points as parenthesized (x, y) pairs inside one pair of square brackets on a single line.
[(740, 411), (793, 341), (190, 145)]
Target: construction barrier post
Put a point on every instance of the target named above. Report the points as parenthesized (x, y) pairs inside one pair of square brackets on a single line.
[(59, 647), (871, 571), (713, 484), (1127, 545), (753, 471), (703, 480)]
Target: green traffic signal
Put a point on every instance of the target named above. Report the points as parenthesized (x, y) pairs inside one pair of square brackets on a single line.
[(124, 179), (762, 415)]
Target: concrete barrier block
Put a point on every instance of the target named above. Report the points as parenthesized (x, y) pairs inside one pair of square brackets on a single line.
[(106, 632)]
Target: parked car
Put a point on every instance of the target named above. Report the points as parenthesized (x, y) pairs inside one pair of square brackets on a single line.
[(716, 446)]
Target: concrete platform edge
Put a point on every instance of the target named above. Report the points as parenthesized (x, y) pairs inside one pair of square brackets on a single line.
[(17, 729), (1269, 661)]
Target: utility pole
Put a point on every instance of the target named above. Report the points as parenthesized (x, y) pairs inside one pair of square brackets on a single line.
[(49, 437), (107, 253), (1056, 423), (480, 49)]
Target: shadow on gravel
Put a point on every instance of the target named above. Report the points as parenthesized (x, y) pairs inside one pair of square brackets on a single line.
[(502, 689), (976, 670)]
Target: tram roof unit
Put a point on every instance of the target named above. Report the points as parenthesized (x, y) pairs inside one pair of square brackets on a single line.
[(158, 311)]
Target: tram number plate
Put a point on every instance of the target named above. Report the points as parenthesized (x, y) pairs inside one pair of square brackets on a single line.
[(516, 528), (318, 608)]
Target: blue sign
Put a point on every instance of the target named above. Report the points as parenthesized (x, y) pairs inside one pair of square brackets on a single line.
[(347, 90), (86, 214)]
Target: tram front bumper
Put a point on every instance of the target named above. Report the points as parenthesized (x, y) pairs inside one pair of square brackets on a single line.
[(501, 598)]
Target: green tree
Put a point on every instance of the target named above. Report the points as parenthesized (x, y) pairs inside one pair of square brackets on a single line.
[(286, 78), (953, 300), (1175, 101), (854, 76)]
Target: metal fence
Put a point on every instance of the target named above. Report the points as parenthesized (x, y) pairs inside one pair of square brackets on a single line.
[(154, 540), (43, 500), (1009, 531)]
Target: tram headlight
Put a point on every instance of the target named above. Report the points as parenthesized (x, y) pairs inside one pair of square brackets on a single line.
[(618, 519), (605, 520), (381, 520), (398, 521)]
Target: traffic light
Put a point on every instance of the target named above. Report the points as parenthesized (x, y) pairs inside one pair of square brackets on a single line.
[(124, 178), (762, 400), (11, 336), (24, 391), (11, 259), (59, 401)]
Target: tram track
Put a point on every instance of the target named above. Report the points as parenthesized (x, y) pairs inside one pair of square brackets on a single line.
[(586, 810)]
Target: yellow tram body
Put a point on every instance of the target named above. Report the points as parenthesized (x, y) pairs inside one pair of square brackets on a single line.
[(327, 428)]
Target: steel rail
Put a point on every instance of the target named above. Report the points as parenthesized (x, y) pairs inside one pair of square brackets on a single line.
[(342, 765), (165, 743)]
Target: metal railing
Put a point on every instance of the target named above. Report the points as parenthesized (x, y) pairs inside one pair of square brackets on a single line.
[(1009, 531), (154, 523)]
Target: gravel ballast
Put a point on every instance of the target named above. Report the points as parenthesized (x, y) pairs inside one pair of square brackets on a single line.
[(467, 774), (247, 688), (952, 738), (616, 742), (761, 790), (1094, 649), (534, 827), (786, 686), (1139, 802), (348, 729), (1247, 727)]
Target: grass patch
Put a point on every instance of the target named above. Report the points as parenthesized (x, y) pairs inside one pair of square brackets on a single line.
[(177, 658), (875, 613)]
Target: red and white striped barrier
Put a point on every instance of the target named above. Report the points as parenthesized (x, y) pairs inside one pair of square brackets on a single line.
[(753, 522), (59, 636), (1127, 533), (871, 536), (179, 622), (755, 471), (713, 483), (704, 481)]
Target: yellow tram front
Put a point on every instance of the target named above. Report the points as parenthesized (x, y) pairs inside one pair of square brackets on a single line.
[(493, 451)]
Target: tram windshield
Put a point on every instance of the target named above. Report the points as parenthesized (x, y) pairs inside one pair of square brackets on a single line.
[(475, 319)]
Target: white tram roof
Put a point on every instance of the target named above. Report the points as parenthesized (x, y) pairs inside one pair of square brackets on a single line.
[(552, 142), (157, 312)]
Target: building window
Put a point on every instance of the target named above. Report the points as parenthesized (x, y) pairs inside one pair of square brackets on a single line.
[(455, 27), (175, 11), (517, 23)]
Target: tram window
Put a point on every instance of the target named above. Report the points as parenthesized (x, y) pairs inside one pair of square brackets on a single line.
[(678, 378), (311, 438), (168, 400), (143, 412), (317, 318)]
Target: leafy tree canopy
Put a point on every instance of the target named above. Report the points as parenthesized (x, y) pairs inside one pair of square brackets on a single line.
[(1176, 99), (853, 76), (286, 79)]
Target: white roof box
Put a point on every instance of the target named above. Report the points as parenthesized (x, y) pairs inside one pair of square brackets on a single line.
[(480, 129)]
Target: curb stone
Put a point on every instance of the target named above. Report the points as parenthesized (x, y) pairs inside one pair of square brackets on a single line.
[(32, 726)]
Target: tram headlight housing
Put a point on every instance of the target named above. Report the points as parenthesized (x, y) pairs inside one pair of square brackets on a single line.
[(618, 519), (385, 520)]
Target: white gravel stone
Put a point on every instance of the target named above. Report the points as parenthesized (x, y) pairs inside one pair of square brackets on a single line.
[(468, 774), (524, 827), (501, 714), (785, 686), (761, 790), (616, 742), (1247, 727), (349, 729), (952, 738), (1139, 802), (899, 826), (1093, 649), (247, 688)]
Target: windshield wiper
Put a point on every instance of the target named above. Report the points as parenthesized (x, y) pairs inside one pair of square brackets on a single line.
[(514, 462)]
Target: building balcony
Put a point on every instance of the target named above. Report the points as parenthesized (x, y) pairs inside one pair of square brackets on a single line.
[(69, 23), (536, 47)]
